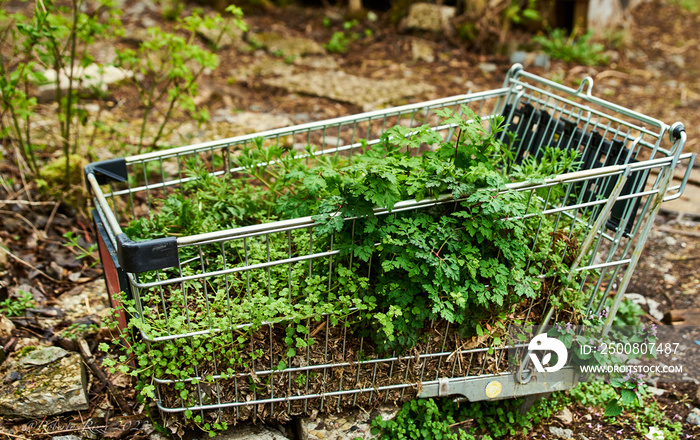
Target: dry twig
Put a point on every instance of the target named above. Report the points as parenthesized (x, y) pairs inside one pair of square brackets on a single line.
[(21, 261), (89, 360)]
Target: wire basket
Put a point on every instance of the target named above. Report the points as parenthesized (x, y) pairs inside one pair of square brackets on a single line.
[(628, 164)]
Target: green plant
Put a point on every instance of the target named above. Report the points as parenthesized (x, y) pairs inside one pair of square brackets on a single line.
[(465, 263), (81, 251), (341, 40), (420, 419), (692, 6), (56, 36), (76, 329), (17, 306), (168, 67), (561, 46), (628, 313)]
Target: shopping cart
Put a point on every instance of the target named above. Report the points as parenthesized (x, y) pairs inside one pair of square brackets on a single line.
[(628, 164)]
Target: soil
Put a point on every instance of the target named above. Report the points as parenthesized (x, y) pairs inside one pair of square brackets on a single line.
[(654, 69)]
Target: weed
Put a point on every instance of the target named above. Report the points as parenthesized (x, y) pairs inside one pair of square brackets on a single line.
[(692, 6), (169, 66), (341, 40), (571, 49), (57, 36), (81, 252), (17, 306), (461, 263)]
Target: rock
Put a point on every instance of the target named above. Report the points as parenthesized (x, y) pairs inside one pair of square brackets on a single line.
[(422, 50), (527, 59), (3, 255), (66, 437), (654, 434), (346, 426), (542, 60), (251, 122), (43, 356), (694, 417), (323, 63), (636, 298), (12, 376), (275, 43), (519, 56), (6, 327), (565, 416), (670, 241), (231, 37), (44, 390), (430, 17), (561, 432), (670, 279), (136, 36), (488, 67), (138, 9), (85, 79), (247, 432), (678, 60), (261, 68), (368, 93), (654, 309), (656, 391), (85, 300)]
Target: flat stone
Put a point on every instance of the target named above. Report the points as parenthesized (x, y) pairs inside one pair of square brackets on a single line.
[(670, 279), (66, 437), (44, 390), (44, 356), (276, 43), (347, 426), (368, 93), (561, 432), (656, 391), (85, 79), (636, 298), (88, 299), (565, 416), (232, 36), (247, 432), (422, 50), (430, 17), (6, 327), (488, 67), (654, 309), (251, 122), (317, 62), (694, 417), (263, 67)]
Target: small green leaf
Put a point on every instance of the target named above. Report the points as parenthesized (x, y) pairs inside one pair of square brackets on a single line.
[(613, 408)]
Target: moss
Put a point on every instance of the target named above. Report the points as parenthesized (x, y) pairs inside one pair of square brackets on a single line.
[(25, 351), (53, 182)]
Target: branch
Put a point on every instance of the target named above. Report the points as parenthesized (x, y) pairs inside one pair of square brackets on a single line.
[(89, 360)]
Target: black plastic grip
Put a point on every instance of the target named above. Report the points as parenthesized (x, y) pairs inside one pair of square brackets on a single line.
[(143, 256), (110, 170)]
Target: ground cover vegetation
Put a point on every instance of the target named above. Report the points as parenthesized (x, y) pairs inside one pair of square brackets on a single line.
[(397, 277), (59, 36)]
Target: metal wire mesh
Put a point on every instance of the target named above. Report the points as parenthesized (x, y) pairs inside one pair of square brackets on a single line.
[(206, 301)]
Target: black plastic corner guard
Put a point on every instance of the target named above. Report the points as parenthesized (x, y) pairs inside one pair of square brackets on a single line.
[(143, 256), (108, 170)]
